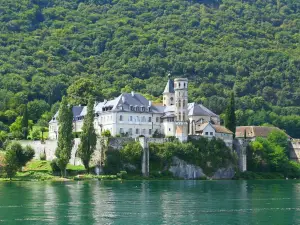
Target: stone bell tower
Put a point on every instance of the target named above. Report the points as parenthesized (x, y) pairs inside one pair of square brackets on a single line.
[(169, 94), (181, 108)]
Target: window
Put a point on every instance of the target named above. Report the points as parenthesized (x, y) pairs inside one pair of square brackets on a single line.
[(211, 133), (143, 119), (144, 131), (171, 98), (157, 119), (131, 108), (149, 119), (137, 131), (121, 131), (130, 118), (121, 118), (169, 129), (150, 131), (130, 131), (143, 109), (206, 133)]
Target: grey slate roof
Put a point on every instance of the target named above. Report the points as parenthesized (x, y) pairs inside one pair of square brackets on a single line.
[(169, 87), (77, 110), (125, 101), (199, 110)]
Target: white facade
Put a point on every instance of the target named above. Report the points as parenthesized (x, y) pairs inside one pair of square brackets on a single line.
[(133, 115)]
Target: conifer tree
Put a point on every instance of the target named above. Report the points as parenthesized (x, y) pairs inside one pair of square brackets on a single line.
[(24, 122), (65, 136), (230, 118), (88, 137)]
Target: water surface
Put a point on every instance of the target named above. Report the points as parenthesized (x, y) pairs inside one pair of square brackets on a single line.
[(151, 202)]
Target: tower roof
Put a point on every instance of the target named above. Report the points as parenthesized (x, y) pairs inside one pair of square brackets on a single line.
[(169, 87)]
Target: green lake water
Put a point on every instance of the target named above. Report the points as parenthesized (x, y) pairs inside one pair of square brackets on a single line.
[(151, 202)]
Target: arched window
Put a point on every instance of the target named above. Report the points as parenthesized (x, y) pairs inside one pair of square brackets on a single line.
[(121, 117)]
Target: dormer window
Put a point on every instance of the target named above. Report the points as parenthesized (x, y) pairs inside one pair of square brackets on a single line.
[(149, 108), (131, 108), (143, 109)]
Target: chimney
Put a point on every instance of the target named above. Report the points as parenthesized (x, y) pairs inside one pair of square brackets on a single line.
[(123, 99), (150, 103), (132, 93)]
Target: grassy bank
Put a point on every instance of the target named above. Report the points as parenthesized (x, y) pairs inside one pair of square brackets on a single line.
[(38, 170)]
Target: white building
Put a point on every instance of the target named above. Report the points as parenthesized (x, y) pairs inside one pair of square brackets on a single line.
[(131, 114)]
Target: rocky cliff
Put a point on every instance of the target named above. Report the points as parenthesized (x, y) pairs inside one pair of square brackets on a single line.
[(180, 168)]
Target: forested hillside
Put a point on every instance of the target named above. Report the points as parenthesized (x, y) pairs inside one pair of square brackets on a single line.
[(249, 46)]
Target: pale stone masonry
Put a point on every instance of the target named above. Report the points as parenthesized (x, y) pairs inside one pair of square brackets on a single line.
[(132, 115)]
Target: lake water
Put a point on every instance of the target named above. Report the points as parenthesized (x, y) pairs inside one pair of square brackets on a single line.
[(151, 202)]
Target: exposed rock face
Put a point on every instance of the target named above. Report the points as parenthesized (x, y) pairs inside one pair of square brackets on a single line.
[(224, 173), (180, 168)]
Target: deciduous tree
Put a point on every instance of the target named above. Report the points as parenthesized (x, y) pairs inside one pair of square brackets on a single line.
[(88, 136), (65, 136)]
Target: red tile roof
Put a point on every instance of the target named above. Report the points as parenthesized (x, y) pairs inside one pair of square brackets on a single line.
[(254, 131)]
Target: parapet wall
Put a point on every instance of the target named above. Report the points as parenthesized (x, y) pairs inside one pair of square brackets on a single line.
[(49, 147)]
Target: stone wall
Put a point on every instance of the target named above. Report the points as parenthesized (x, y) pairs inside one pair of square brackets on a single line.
[(179, 167), (118, 142), (295, 150), (49, 147), (240, 146)]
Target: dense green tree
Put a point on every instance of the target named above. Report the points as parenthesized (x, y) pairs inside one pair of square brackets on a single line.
[(36, 109), (16, 157), (106, 47), (80, 90), (24, 122), (65, 136), (132, 153), (11, 164), (88, 136), (230, 118)]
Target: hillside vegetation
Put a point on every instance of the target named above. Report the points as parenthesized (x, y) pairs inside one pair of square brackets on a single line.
[(249, 46)]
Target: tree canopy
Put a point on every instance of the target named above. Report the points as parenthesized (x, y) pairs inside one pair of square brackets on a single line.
[(50, 46)]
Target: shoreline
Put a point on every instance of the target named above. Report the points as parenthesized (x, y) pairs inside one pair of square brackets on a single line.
[(36, 176)]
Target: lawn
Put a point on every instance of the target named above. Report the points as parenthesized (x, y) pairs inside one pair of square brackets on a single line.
[(40, 165)]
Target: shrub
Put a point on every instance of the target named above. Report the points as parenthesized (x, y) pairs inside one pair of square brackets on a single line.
[(122, 174), (54, 166), (35, 135), (16, 157), (106, 133), (112, 162), (43, 156)]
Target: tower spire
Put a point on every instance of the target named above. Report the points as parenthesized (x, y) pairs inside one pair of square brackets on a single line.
[(169, 93)]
